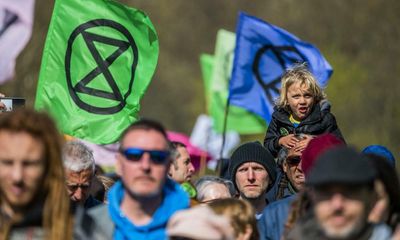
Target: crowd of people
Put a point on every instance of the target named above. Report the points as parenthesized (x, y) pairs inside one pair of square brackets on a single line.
[(304, 182)]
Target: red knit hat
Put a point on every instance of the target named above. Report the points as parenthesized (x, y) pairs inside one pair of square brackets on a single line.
[(315, 148)]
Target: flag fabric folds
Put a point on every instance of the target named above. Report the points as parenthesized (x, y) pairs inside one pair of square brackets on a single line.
[(204, 137), (196, 154), (216, 74), (263, 52), (206, 65), (16, 21), (98, 61)]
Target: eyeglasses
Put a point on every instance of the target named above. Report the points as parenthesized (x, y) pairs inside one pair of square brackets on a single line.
[(74, 187), (293, 160), (135, 154)]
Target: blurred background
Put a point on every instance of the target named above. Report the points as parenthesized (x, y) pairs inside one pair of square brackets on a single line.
[(359, 38)]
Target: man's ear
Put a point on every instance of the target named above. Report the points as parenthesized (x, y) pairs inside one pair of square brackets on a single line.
[(118, 164), (285, 166), (377, 194), (170, 168)]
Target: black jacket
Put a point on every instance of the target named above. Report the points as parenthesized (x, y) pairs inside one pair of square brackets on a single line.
[(320, 121)]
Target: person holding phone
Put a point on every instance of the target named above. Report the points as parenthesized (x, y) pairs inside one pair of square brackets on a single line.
[(8, 104), (2, 105)]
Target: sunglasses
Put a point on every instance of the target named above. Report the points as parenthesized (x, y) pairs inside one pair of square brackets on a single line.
[(135, 154), (73, 187), (293, 160)]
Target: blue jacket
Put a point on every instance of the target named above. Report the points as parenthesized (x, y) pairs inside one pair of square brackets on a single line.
[(274, 217), (109, 222)]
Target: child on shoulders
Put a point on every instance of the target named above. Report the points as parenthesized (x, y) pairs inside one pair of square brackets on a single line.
[(301, 112)]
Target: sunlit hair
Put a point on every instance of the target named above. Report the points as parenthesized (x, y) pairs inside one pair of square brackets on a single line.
[(240, 213), (298, 210), (147, 125), (299, 74), (77, 157), (57, 220), (175, 153), (205, 181), (107, 184)]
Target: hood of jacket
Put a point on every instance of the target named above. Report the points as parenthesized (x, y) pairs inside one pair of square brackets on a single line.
[(174, 199)]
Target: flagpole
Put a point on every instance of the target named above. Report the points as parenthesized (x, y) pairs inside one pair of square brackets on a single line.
[(224, 129)]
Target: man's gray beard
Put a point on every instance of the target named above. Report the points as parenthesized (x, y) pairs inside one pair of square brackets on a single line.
[(354, 231)]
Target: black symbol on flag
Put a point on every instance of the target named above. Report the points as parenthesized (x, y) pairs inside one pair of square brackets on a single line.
[(284, 60), (102, 66)]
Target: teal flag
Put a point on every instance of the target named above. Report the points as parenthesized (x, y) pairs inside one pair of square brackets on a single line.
[(239, 119), (97, 63)]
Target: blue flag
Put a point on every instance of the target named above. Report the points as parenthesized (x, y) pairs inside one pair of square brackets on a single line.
[(263, 52)]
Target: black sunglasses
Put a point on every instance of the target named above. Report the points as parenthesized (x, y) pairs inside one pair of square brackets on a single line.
[(293, 160), (73, 187), (135, 154)]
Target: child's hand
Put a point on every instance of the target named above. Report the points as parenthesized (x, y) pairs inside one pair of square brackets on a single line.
[(302, 144), (293, 152), (288, 141)]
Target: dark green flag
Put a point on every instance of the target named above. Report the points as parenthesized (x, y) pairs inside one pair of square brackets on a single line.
[(98, 61)]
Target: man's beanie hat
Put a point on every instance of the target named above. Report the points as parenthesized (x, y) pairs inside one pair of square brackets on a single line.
[(341, 165), (252, 152), (381, 151), (315, 148)]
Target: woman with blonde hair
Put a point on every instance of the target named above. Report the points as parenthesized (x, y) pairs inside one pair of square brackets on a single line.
[(241, 215), (34, 203)]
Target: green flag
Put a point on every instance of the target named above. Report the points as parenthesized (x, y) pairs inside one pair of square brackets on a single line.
[(239, 119), (98, 61), (206, 64)]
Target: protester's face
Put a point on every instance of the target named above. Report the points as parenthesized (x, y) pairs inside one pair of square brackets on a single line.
[(292, 168), (22, 168), (143, 178), (183, 168), (215, 191), (300, 100), (78, 184), (251, 180), (341, 211)]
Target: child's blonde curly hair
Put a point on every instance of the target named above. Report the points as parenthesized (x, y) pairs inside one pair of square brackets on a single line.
[(299, 73)]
